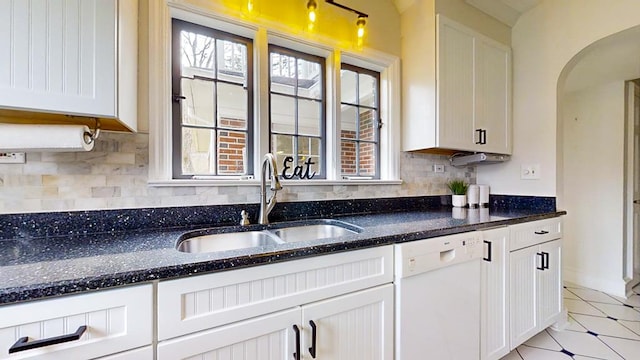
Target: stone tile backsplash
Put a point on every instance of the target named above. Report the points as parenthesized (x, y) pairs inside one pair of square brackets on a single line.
[(114, 175)]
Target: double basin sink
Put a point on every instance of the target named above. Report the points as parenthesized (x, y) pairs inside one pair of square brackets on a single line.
[(223, 239)]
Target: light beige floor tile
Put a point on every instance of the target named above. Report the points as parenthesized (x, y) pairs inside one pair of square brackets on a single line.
[(512, 356), (575, 326), (583, 344), (631, 325), (594, 296), (605, 326), (567, 294), (543, 341), (581, 307), (530, 353), (619, 312), (629, 349), (633, 300)]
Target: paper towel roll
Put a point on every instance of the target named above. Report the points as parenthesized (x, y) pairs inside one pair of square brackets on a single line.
[(484, 195), (44, 138), (473, 196)]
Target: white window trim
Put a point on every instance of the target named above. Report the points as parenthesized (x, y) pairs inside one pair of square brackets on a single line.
[(160, 14)]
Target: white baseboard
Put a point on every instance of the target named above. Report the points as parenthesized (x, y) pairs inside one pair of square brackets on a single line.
[(616, 287)]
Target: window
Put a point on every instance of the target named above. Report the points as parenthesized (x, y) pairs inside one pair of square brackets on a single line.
[(297, 115), (359, 122), (213, 102), (226, 90)]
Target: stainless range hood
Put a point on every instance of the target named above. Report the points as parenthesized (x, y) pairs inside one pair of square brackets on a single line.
[(477, 159)]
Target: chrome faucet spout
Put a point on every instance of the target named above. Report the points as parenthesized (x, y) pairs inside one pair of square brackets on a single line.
[(266, 205)]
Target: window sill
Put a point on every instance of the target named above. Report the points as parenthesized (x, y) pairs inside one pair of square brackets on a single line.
[(254, 182)]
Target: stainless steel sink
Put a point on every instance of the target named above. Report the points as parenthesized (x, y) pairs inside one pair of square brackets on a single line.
[(204, 241), (311, 232), (227, 241)]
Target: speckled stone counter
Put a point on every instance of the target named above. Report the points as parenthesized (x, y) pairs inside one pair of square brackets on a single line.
[(45, 255)]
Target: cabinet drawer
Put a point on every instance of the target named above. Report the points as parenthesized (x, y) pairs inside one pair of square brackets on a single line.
[(535, 232), (202, 302), (115, 320)]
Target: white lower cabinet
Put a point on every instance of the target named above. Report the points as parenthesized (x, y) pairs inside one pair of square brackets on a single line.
[(535, 290), (85, 326), (354, 326), (269, 312), (494, 335)]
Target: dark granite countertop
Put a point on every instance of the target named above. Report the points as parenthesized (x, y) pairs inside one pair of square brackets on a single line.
[(40, 267)]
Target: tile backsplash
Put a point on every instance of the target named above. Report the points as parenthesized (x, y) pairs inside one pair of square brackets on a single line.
[(114, 175)]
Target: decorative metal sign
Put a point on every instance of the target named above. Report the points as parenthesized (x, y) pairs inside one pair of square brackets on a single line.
[(300, 171)]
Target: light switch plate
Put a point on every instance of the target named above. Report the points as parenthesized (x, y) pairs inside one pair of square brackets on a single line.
[(530, 172), (12, 158)]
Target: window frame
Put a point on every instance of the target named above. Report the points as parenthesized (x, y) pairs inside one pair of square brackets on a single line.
[(323, 104), (177, 26), (379, 123), (156, 102)]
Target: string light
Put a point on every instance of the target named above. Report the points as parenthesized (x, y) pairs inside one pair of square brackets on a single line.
[(312, 8), (360, 24)]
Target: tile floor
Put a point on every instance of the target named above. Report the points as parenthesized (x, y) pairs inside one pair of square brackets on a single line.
[(601, 327)]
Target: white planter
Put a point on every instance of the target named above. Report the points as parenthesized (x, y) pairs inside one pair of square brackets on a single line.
[(459, 200)]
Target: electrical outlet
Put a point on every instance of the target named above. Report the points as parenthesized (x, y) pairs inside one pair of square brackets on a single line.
[(530, 172), (438, 168), (12, 158)]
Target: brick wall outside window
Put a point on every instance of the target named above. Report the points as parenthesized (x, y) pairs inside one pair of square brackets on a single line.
[(349, 151), (230, 146)]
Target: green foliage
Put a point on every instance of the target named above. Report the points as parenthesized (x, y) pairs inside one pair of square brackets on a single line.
[(458, 187)]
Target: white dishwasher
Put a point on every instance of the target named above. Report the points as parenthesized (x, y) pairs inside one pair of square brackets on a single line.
[(437, 289)]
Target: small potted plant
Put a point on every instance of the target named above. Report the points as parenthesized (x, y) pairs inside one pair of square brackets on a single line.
[(459, 192)]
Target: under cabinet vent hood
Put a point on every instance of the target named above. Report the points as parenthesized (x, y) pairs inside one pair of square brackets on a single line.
[(477, 159)]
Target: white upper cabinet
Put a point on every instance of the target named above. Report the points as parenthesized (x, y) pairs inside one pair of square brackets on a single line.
[(470, 109), (75, 57)]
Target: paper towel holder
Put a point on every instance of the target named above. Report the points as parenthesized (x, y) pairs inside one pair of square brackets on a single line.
[(92, 135)]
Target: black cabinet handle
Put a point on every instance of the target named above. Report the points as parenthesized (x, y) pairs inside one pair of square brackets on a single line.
[(489, 251), (296, 355), (23, 343), (479, 131), (545, 260), (484, 137), (541, 267), (541, 232), (312, 349)]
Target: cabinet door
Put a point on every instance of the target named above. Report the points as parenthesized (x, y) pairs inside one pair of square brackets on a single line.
[(145, 353), (357, 326), (550, 284), (454, 82), (495, 281), (59, 56), (523, 294), (262, 338), (492, 96)]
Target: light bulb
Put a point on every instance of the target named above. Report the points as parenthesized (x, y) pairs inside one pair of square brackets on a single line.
[(360, 23), (250, 5), (312, 7)]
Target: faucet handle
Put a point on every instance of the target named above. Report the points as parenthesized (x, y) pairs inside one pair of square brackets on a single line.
[(245, 218)]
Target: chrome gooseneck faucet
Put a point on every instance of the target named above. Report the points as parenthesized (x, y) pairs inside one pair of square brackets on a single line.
[(268, 165)]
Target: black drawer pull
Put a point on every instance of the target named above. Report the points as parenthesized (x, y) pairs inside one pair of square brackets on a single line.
[(312, 349), (541, 232), (545, 259), (489, 251), (23, 343), (541, 267), (296, 355)]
